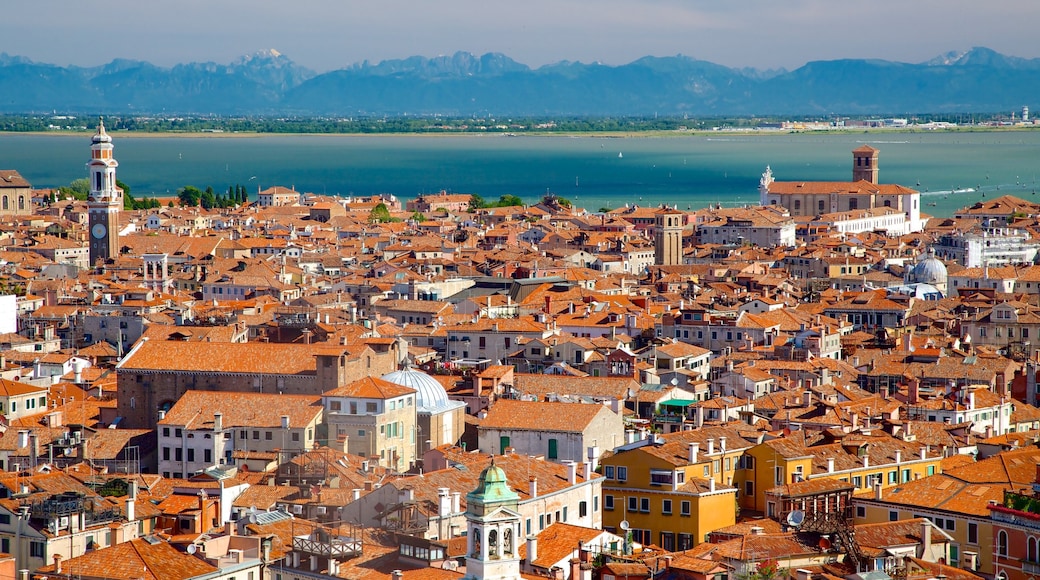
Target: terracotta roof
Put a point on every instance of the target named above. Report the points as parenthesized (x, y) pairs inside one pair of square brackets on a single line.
[(196, 410), (370, 388), (541, 416)]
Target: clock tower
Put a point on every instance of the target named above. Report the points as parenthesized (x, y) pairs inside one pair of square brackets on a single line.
[(106, 199)]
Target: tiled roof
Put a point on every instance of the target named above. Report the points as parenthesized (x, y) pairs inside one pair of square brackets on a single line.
[(249, 357), (558, 541), (147, 558), (370, 388), (196, 409), (541, 416)]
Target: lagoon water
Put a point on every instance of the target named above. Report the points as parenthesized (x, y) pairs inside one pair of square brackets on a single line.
[(690, 171)]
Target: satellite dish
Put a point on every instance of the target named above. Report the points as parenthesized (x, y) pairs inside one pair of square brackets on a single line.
[(624, 525), (192, 548), (795, 518), (824, 544)]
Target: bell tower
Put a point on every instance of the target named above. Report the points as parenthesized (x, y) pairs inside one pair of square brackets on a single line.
[(493, 528), (865, 164), (668, 230), (105, 200)]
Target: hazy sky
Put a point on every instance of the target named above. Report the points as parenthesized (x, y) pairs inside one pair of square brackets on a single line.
[(330, 34)]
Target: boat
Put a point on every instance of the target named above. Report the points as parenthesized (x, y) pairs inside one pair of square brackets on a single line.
[(620, 155)]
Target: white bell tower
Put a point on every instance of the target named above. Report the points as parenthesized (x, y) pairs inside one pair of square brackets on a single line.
[(493, 528), (105, 200)]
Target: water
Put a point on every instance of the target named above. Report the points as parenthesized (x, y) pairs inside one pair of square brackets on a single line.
[(594, 172)]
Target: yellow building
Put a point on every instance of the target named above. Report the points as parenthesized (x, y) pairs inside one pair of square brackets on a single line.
[(672, 490), (861, 458), (956, 501)]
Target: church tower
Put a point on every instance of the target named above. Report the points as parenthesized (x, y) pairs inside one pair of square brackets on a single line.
[(105, 200), (865, 164), (493, 528), (668, 229)]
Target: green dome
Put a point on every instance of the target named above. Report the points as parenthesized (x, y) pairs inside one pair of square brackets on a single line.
[(492, 488)]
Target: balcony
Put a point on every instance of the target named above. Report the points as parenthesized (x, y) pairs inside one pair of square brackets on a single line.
[(323, 544)]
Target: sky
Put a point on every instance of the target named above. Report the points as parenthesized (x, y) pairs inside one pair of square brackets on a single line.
[(327, 35)]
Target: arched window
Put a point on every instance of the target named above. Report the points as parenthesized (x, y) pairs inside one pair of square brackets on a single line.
[(820, 205), (493, 544), (21, 202), (1031, 549), (1002, 543), (5, 203), (888, 203)]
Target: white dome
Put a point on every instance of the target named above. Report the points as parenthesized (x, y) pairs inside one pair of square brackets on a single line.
[(429, 393), (930, 270)]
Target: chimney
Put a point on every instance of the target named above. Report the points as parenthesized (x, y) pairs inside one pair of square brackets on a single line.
[(877, 489), (711, 485), (807, 398), (802, 574), (444, 501), (532, 487), (57, 563), (855, 421), (218, 422), (830, 465), (700, 416), (924, 452), (356, 494), (23, 439), (532, 548), (285, 421), (131, 502), (572, 472), (456, 505), (694, 451), (926, 537), (722, 443), (711, 446), (396, 575), (866, 461), (758, 531), (899, 456)]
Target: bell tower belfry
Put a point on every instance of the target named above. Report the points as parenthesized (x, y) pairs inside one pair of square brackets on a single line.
[(493, 528), (105, 200), (865, 164)]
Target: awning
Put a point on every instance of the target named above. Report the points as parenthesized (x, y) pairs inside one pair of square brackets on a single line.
[(678, 403)]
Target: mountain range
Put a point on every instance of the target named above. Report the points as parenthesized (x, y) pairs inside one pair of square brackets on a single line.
[(269, 83)]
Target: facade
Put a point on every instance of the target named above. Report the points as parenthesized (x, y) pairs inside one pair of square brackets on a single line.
[(673, 490), (765, 227), (493, 528), (377, 418), (558, 431), (992, 246), (15, 193), (205, 429), (105, 200), (277, 196), (155, 374), (806, 198), (439, 420)]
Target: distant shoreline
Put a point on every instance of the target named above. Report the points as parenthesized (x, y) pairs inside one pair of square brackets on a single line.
[(600, 134)]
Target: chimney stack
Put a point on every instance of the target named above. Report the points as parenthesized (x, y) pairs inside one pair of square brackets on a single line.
[(877, 489), (926, 537), (57, 563), (532, 487), (694, 451), (532, 548)]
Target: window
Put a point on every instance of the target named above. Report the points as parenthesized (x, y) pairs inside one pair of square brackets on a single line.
[(660, 477), (1031, 549), (820, 206), (178, 454), (166, 453), (5, 518), (861, 511), (749, 488), (296, 436), (666, 507), (893, 516), (191, 454), (644, 505), (622, 473), (243, 434), (267, 435), (207, 456), (973, 533), (35, 549), (608, 502), (684, 507), (608, 471), (583, 509), (554, 451), (1002, 543), (633, 503)]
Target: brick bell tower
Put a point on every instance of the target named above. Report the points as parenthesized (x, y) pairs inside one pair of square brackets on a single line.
[(105, 200)]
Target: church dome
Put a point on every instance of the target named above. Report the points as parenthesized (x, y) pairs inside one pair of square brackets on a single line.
[(429, 394), (930, 270)]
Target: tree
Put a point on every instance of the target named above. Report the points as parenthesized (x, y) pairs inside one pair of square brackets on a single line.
[(189, 195), (208, 199), (418, 217), (380, 213), (476, 202), (78, 189), (509, 201)]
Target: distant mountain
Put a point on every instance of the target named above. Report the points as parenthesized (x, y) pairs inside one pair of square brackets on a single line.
[(267, 82)]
